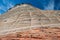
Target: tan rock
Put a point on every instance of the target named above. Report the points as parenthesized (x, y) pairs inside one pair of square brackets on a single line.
[(26, 17), (35, 34)]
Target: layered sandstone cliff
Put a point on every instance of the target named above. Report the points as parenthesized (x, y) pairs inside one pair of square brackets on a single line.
[(25, 17)]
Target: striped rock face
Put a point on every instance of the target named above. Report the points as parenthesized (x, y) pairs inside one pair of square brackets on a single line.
[(25, 17), (35, 34)]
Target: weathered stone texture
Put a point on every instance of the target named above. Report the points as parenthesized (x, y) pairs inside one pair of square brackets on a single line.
[(26, 17)]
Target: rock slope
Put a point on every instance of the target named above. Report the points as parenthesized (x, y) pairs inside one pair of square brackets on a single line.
[(35, 34), (26, 17)]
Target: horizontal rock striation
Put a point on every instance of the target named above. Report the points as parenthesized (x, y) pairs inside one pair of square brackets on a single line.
[(25, 17)]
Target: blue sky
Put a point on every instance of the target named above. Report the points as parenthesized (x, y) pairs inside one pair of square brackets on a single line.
[(41, 4)]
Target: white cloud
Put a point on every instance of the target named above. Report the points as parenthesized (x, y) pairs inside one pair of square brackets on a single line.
[(50, 5)]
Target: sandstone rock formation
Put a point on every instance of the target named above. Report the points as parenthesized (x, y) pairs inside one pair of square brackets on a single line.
[(35, 34), (26, 17)]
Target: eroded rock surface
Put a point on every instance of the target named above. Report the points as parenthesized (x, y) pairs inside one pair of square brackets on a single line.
[(42, 33), (26, 17)]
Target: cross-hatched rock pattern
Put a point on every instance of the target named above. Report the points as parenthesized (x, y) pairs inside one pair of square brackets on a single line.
[(26, 17), (42, 33)]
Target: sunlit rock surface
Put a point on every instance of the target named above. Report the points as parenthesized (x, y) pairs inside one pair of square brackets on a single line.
[(35, 34), (26, 17)]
